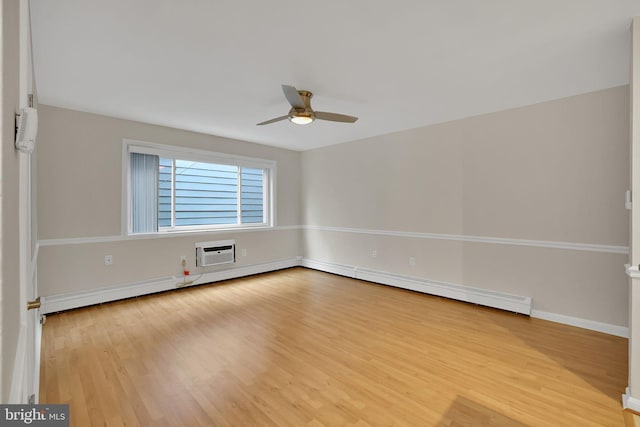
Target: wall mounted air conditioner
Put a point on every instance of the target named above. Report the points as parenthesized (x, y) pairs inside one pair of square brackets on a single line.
[(215, 253)]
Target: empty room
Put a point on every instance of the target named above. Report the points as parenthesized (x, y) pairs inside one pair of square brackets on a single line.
[(415, 213)]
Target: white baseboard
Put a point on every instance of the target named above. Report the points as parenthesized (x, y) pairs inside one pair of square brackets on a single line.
[(607, 328), (329, 267), (629, 402), (61, 302), (515, 303), (18, 388), (36, 356)]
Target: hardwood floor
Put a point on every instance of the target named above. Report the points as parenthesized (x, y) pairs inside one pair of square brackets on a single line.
[(304, 348), (630, 418)]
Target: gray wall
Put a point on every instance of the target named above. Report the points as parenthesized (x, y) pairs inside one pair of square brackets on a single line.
[(80, 196), (10, 259), (555, 171)]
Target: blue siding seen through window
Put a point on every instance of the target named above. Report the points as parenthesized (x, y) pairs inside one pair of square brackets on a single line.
[(207, 194), (252, 182), (164, 192)]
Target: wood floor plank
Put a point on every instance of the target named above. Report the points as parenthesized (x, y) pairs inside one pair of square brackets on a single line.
[(304, 348)]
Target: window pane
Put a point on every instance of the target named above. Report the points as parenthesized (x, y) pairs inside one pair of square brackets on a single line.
[(167, 193), (164, 199), (206, 193), (252, 195), (144, 193)]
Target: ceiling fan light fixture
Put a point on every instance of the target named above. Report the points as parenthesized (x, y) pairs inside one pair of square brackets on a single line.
[(301, 112), (301, 120)]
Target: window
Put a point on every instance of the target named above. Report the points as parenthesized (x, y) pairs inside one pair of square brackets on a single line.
[(175, 189)]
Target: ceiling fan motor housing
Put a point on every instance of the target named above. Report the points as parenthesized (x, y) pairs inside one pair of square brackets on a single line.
[(301, 112)]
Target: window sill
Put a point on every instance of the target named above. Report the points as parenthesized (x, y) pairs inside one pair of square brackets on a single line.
[(197, 232)]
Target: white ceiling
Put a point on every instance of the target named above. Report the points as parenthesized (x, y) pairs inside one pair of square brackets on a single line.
[(216, 66)]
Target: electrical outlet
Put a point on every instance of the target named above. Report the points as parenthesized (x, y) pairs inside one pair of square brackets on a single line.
[(183, 258), (412, 261), (374, 254), (244, 251), (108, 260)]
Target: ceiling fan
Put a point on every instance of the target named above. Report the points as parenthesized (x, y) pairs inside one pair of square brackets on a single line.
[(301, 112)]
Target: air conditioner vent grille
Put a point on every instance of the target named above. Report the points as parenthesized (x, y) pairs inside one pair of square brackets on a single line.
[(215, 253)]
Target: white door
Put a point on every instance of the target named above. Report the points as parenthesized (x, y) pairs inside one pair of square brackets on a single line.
[(25, 380), (26, 374)]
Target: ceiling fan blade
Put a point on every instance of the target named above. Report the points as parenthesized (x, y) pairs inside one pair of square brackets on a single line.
[(277, 119), (292, 95), (334, 117)]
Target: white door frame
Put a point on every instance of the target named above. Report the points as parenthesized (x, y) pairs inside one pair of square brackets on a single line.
[(26, 370), (631, 398)]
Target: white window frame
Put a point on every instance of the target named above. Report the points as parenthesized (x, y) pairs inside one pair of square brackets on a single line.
[(196, 155)]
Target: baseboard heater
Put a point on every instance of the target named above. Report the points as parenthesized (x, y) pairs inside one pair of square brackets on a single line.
[(215, 253), (504, 301)]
